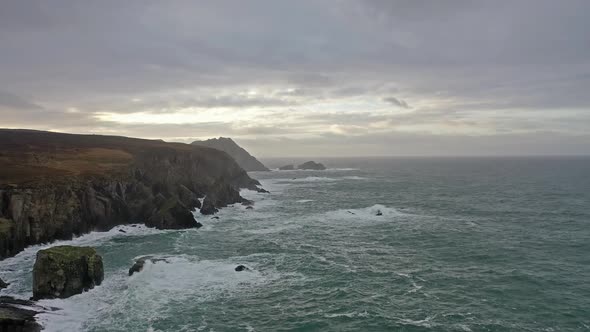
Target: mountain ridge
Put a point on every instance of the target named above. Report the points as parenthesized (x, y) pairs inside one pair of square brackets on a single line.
[(240, 155)]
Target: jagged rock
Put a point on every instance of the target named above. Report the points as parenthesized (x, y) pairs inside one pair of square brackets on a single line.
[(14, 317), (140, 263), (122, 231), (312, 165), (263, 191), (249, 207), (208, 208), (63, 271), (172, 214), (216, 217), (287, 168), (379, 213), (3, 284), (241, 268)]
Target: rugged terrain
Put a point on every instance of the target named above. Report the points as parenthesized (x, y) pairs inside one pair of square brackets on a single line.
[(55, 186), (242, 157)]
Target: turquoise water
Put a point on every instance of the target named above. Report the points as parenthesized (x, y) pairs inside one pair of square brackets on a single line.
[(461, 245)]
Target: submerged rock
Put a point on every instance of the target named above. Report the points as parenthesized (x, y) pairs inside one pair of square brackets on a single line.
[(63, 271), (249, 207), (241, 268), (312, 165)]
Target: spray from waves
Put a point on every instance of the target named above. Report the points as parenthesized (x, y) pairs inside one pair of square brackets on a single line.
[(136, 302), (371, 213), (17, 269)]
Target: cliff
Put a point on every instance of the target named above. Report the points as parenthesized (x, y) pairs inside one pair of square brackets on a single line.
[(241, 156), (55, 186)]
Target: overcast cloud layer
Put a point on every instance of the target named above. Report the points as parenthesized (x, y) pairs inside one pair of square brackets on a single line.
[(307, 77)]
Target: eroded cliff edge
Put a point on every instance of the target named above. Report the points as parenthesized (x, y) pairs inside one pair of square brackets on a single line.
[(54, 186)]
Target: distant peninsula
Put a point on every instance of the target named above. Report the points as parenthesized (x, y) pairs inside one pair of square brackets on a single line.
[(241, 156)]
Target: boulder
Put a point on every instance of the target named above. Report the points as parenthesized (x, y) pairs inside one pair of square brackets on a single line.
[(241, 268), (140, 263), (312, 165), (287, 168), (63, 271)]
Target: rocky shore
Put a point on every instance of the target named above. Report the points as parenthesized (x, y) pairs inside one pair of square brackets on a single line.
[(55, 186)]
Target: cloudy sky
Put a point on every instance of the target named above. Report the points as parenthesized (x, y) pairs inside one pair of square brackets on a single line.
[(306, 77)]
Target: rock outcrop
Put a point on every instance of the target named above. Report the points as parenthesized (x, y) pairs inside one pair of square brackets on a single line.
[(241, 156), (55, 186), (287, 168), (3, 284), (18, 315), (63, 271), (312, 165), (140, 263)]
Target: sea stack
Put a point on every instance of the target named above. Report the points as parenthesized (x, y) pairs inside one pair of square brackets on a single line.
[(63, 271), (312, 165)]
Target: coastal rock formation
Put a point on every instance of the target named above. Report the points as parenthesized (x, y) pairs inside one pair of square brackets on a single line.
[(63, 271), (3, 284), (140, 263), (287, 168), (241, 268), (241, 156), (55, 186), (18, 315), (312, 165)]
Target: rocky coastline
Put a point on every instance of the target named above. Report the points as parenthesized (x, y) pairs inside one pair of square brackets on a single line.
[(56, 186)]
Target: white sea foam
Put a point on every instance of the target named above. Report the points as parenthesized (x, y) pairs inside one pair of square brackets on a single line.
[(367, 213), (348, 314), (305, 200), (147, 296), (18, 268)]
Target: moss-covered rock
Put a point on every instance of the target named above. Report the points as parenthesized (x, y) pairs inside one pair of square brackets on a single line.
[(63, 271)]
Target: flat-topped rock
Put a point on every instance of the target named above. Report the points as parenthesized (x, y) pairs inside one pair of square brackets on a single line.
[(63, 271)]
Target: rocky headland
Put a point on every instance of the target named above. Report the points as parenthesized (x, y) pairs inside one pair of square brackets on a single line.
[(55, 186), (241, 156)]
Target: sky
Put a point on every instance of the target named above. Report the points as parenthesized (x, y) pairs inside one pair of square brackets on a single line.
[(307, 77)]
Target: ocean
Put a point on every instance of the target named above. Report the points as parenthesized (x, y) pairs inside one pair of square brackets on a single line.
[(371, 244)]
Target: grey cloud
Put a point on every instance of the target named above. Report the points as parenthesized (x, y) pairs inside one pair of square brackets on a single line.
[(397, 102)]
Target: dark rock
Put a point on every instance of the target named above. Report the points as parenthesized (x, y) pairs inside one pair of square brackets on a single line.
[(351, 212), (379, 213), (18, 315), (246, 202), (172, 215), (137, 266), (249, 207), (108, 181), (240, 268), (216, 217), (262, 191), (287, 168), (122, 231), (3, 284), (208, 208), (312, 165), (140, 263), (63, 271)]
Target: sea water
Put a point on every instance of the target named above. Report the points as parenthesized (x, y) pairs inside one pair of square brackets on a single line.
[(461, 244)]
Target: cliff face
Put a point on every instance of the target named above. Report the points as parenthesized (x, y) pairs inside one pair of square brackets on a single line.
[(54, 186), (241, 156)]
